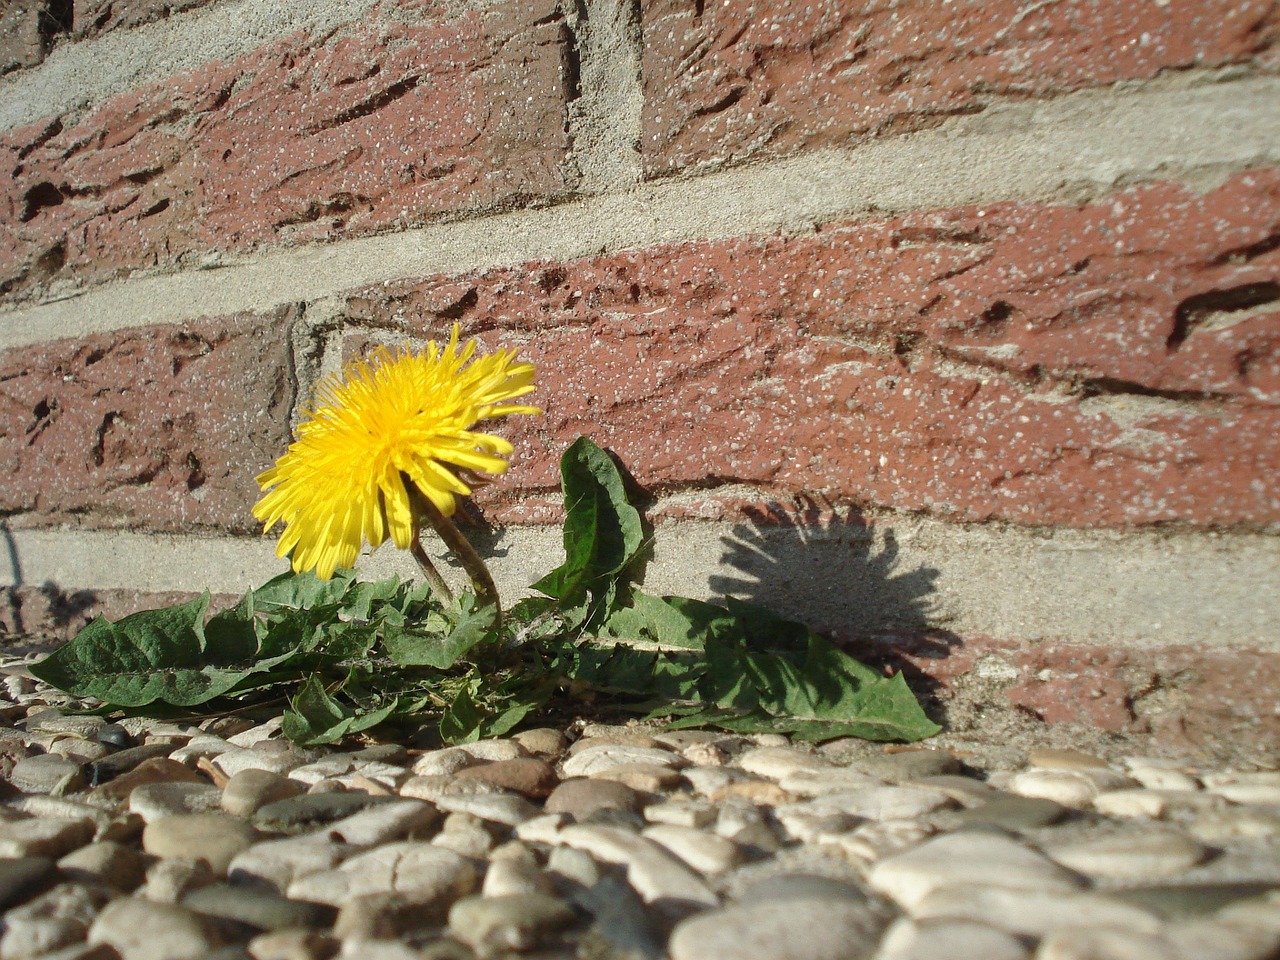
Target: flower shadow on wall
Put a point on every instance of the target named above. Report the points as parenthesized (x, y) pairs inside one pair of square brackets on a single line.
[(842, 574)]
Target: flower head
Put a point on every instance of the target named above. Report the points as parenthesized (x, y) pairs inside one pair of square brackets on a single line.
[(402, 417)]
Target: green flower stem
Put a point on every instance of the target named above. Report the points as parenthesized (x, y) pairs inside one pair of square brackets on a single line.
[(481, 579), (438, 586)]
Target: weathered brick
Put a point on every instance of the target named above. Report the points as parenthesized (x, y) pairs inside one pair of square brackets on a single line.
[(1099, 365), (93, 18), (725, 81), (1183, 696), (23, 28), (415, 114), (158, 428)]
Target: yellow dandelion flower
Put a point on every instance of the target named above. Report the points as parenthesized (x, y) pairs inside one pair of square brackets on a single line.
[(401, 417)]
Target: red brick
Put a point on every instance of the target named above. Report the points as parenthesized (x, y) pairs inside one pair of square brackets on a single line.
[(725, 81), (1182, 696), (49, 612), (382, 124), (23, 26), (1100, 365), (159, 428), (92, 18)]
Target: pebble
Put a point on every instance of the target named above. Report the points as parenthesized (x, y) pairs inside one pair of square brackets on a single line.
[(580, 798), (528, 776), (47, 773), (53, 837), (592, 760), (108, 862), (794, 929), (618, 842), (513, 921), (142, 930), (249, 790), (651, 870), (156, 800), (947, 861), (1130, 855), (212, 837), (707, 853), (950, 939)]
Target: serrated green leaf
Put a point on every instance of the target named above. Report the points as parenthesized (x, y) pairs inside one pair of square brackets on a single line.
[(301, 591), (674, 623), (602, 530), (148, 657), (471, 625)]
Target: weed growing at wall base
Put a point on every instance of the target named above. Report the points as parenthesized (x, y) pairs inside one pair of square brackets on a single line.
[(350, 655), (381, 457)]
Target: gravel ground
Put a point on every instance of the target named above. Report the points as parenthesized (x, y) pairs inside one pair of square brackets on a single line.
[(148, 840)]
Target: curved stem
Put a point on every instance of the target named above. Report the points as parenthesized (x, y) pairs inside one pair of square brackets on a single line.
[(481, 579), (438, 586)]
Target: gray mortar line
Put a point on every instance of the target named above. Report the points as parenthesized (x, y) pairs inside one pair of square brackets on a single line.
[(1074, 147), (1212, 591)]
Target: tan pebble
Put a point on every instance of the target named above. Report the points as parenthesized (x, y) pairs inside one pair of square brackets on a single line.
[(760, 792)]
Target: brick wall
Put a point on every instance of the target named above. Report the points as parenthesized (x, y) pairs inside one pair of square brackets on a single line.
[(934, 292)]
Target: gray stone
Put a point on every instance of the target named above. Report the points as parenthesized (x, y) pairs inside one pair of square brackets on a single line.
[(518, 921), (280, 862), (54, 919), (681, 813), (419, 870), (442, 763), (708, 853), (1015, 813), (952, 859), (22, 878), (168, 881), (236, 759), (581, 797), (213, 837), (464, 835), (506, 809), (292, 944), (1184, 901), (949, 939), (395, 820), (117, 764), (652, 871), (257, 908), (594, 759), (794, 929), (312, 810), (54, 837), (908, 765), (800, 886), (542, 741), (1142, 854), (778, 762), (142, 930), (47, 773), (494, 750), (249, 790), (153, 801), (114, 864), (1030, 913), (509, 876)]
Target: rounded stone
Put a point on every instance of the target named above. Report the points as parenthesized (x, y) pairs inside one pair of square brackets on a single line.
[(954, 940), (47, 773), (212, 837), (1131, 856), (527, 776), (153, 801), (108, 862), (247, 791), (581, 797), (517, 921), (142, 930), (793, 929), (256, 908)]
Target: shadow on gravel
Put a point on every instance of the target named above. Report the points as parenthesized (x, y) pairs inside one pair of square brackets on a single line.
[(842, 576)]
